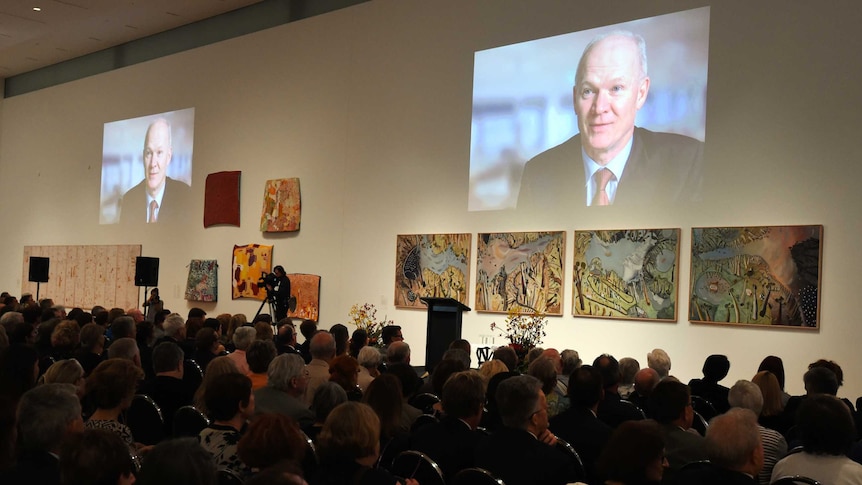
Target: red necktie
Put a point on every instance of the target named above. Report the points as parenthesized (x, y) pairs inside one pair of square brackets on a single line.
[(153, 206), (601, 178)]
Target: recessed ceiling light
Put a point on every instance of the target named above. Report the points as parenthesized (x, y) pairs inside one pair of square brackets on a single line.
[(37, 9)]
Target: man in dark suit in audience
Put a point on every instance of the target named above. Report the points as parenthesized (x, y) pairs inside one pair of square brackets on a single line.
[(715, 368), (579, 425), (167, 388), (612, 410), (671, 406), (645, 381), (522, 452), (452, 442), (735, 452)]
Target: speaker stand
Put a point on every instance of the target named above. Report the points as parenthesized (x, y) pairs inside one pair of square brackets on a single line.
[(38, 284)]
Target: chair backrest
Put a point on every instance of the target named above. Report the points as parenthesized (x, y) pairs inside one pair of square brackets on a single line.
[(475, 476), (573, 455), (634, 407), (424, 402), (144, 418), (422, 421), (414, 464), (188, 421), (192, 373), (228, 477), (704, 407), (310, 461), (795, 480), (699, 424)]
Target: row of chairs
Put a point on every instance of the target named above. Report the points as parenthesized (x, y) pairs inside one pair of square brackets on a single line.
[(144, 418)]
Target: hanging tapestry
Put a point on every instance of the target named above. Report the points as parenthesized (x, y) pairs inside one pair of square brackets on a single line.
[(203, 280), (250, 262), (281, 206)]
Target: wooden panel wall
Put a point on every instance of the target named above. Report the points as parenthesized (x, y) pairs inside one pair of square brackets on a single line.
[(84, 276)]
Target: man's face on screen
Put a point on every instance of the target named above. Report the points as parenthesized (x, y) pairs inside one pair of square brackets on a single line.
[(157, 155), (608, 95)]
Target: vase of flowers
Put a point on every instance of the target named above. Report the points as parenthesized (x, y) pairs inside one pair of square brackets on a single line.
[(365, 317), (524, 331)]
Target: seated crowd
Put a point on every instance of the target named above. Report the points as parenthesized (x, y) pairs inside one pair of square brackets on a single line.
[(108, 397)]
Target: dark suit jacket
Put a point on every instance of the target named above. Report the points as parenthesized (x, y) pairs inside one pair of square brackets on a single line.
[(713, 392), (662, 167), (710, 474), (34, 467), (170, 394), (450, 443), (612, 411), (585, 432), (133, 206), (682, 447), (518, 458)]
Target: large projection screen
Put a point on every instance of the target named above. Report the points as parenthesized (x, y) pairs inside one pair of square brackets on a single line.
[(523, 97), (127, 170)]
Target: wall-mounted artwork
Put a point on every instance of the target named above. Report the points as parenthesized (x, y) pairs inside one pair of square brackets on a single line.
[(281, 206), (764, 275), (202, 284), (431, 265), (630, 274), (221, 199), (520, 272), (306, 289), (250, 262)]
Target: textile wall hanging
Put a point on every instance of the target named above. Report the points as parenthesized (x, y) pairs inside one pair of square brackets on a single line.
[(281, 206), (250, 262), (306, 289), (203, 280), (221, 199)]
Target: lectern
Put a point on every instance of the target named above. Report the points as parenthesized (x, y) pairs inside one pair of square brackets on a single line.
[(444, 326)]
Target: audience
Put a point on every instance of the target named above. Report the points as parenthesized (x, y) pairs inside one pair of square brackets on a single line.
[(217, 367), (645, 381), (258, 356), (167, 388), (611, 408), (322, 349), (111, 388), (775, 365), (96, 457), (67, 371), (326, 398), (671, 407), (342, 337), (772, 415), (230, 403), (369, 362), (659, 361), (634, 455), (284, 393), (344, 371), (91, 351), (629, 367), (242, 339), (269, 440), (180, 461), (715, 368), (747, 395), (735, 452)]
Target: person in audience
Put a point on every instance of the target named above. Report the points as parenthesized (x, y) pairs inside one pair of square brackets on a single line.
[(398, 353), (125, 348), (344, 371), (772, 415), (91, 351), (238, 320), (525, 438), (231, 403), (389, 334), (47, 415), (269, 440), (458, 354), (110, 388), (463, 344), (217, 367), (445, 368), (451, 443), (326, 397), (122, 327), (242, 339), (180, 461), (175, 331), (645, 381), (322, 349), (817, 380), (167, 388), (490, 368), (284, 393), (775, 365), (543, 369), (65, 339), (612, 411), (410, 383), (349, 446), (747, 395), (285, 338), (67, 371), (826, 429), (634, 455), (508, 356), (734, 449), (660, 361), (207, 347), (19, 369), (259, 355), (342, 337), (715, 368), (628, 368), (385, 398), (307, 328), (671, 407), (839, 376), (580, 425), (369, 361), (145, 338), (263, 331), (96, 457)]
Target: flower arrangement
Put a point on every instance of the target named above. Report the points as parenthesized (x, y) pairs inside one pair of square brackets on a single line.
[(523, 330), (365, 317)]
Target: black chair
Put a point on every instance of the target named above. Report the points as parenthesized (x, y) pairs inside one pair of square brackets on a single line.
[(424, 402), (192, 373), (414, 464), (422, 421), (573, 455), (699, 424), (189, 422), (704, 407), (144, 418), (228, 477), (795, 480), (310, 461), (634, 407), (475, 476)]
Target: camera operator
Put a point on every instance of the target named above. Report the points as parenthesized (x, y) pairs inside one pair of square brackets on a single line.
[(278, 288)]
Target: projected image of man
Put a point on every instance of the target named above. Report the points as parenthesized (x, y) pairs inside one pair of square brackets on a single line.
[(611, 161), (158, 197)]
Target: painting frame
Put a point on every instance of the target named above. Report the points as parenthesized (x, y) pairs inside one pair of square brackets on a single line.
[(626, 274), (756, 276), (504, 255), (431, 265)]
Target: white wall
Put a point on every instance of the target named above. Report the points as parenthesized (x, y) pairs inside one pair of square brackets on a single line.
[(370, 107)]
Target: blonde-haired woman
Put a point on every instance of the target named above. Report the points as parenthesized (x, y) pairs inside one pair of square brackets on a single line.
[(68, 371)]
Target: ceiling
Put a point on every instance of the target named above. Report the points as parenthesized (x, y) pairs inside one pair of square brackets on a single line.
[(65, 29)]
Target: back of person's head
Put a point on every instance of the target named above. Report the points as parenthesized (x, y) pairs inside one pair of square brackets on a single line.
[(95, 457), (544, 370), (631, 449), (771, 392), (124, 348), (645, 381), (463, 394), (369, 357), (174, 325), (100, 317), (112, 382), (225, 394), (123, 327), (825, 425), (343, 371), (66, 371), (45, 414), (237, 320), (410, 382), (205, 339), (492, 367), (715, 367), (507, 355), (213, 323), (263, 331), (115, 313), (269, 439), (384, 396), (462, 344), (92, 337), (307, 328), (517, 400), (585, 387), (322, 346), (358, 341), (389, 332), (243, 337), (732, 439), (820, 380), (398, 353), (181, 461), (342, 336), (283, 369), (66, 335), (351, 430), (628, 368), (745, 394), (609, 368), (669, 400), (570, 361), (442, 371), (660, 361), (775, 365), (326, 397), (831, 365), (196, 312), (167, 357), (259, 355), (458, 354)]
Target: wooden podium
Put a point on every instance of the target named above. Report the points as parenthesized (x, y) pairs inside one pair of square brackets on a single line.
[(444, 326)]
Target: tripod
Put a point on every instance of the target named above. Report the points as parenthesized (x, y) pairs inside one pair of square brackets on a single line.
[(269, 299)]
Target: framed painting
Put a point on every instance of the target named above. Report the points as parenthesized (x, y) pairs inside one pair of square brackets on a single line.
[(306, 289), (431, 265), (520, 272), (629, 274), (759, 276), (250, 262)]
